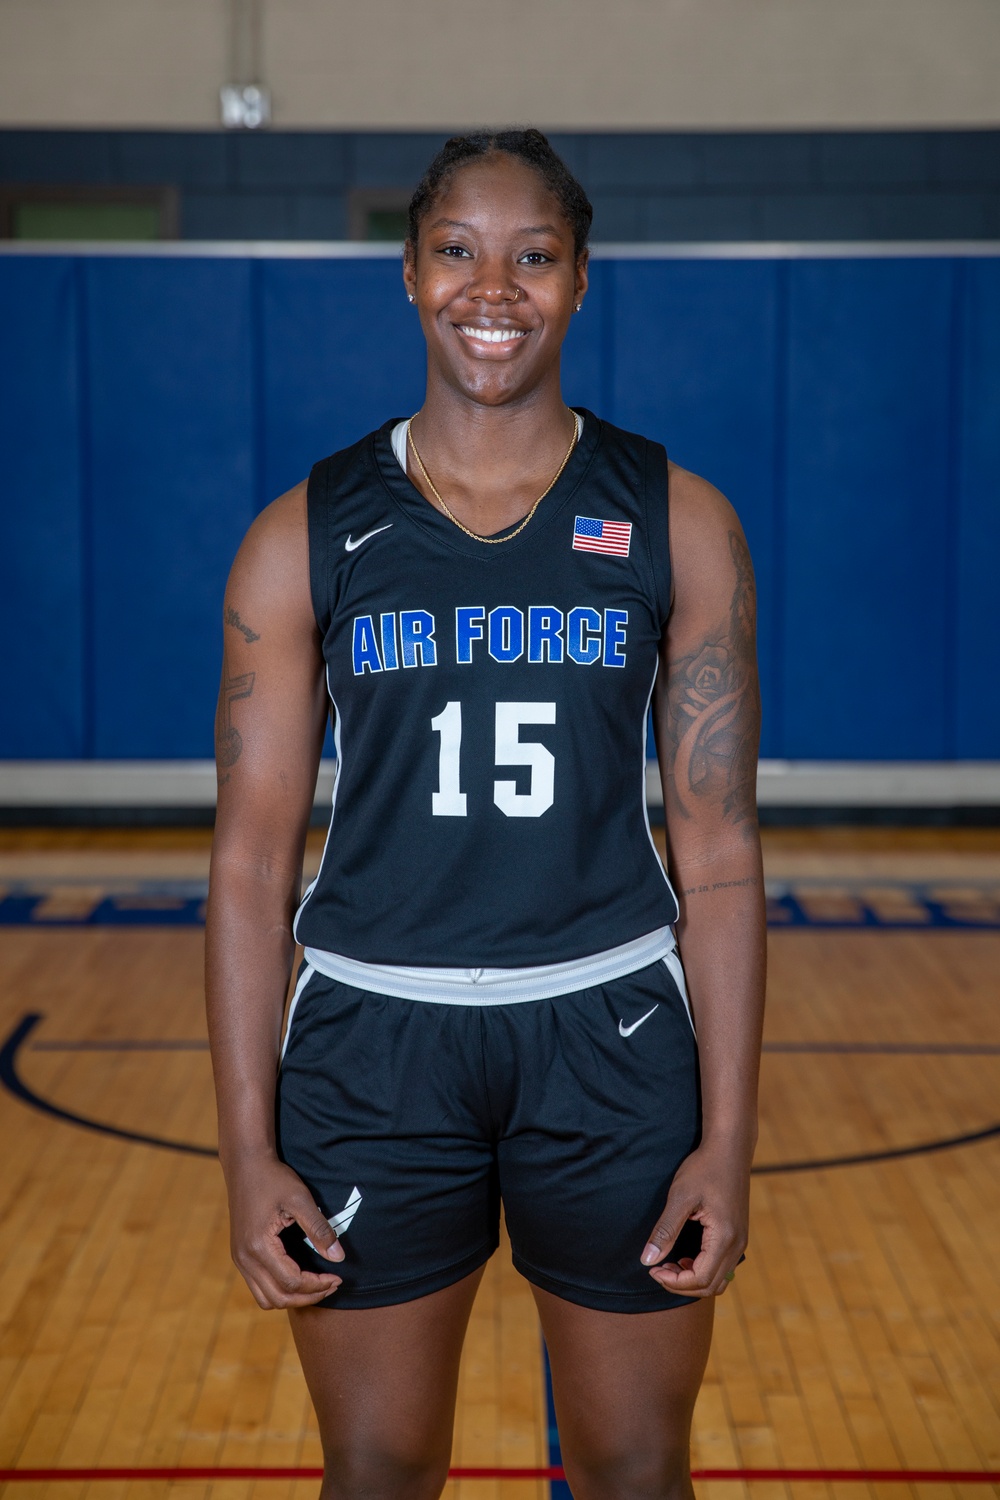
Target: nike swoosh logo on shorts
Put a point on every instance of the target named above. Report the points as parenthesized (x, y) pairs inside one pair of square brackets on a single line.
[(628, 1030), (350, 546)]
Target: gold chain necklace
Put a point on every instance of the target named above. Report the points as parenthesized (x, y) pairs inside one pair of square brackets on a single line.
[(493, 541)]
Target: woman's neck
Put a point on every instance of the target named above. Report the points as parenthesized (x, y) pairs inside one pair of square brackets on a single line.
[(490, 463)]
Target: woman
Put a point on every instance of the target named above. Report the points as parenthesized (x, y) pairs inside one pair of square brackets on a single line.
[(492, 1005)]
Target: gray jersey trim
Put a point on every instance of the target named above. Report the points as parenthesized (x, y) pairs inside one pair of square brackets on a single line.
[(496, 986)]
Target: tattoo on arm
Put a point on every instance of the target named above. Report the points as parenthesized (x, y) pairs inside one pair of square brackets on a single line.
[(233, 619), (712, 711), (720, 885), (228, 740)]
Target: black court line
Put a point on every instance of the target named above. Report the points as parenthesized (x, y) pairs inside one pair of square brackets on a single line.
[(867, 1158), (890, 1049), (874, 1049), (126, 1044), (14, 1084)]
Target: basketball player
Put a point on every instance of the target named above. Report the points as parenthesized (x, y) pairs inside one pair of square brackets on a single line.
[(492, 1008)]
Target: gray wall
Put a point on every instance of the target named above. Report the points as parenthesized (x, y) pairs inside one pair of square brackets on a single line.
[(565, 64)]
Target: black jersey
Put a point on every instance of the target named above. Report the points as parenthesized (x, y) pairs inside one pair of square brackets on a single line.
[(490, 707)]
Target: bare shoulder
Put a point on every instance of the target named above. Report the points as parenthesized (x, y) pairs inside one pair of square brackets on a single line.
[(708, 550), (272, 564), (701, 517), (694, 500), (279, 537)]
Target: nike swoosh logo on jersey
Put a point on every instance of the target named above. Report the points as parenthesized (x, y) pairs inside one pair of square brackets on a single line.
[(340, 1223), (350, 546), (628, 1030)]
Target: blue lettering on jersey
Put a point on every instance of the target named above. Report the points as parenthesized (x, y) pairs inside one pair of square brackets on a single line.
[(406, 638), (506, 633), (469, 623), (366, 657), (389, 656), (416, 632), (615, 621), (545, 643), (583, 636)]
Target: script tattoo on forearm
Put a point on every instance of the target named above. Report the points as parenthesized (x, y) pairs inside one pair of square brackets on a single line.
[(233, 619), (228, 740), (748, 882), (713, 711)]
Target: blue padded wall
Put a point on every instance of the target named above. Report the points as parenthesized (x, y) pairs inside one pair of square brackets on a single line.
[(341, 351), (695, 366), (976, 678), (43, 542), (588, 356), (848, 407), (173, 430), (867, 519)]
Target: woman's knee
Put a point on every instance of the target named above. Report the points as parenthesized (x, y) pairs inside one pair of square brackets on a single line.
[(657, 1471), (382, 1472)]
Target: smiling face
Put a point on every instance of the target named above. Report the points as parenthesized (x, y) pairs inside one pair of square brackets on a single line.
[(496, 279)]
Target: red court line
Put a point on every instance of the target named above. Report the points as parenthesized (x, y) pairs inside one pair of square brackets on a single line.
[(883, 1476)]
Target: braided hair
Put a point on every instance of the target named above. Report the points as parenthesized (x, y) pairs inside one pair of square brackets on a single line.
[(529, 146)]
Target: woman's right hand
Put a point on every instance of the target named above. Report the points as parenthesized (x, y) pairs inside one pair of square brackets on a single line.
[(265, 1197)]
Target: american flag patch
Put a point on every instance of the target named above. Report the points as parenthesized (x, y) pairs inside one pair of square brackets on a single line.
[(611, 537)]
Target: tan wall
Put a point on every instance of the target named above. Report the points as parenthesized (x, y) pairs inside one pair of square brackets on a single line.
[(599, 64)]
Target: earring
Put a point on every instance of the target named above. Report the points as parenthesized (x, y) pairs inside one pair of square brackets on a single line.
[(410, 297), (578, 306)]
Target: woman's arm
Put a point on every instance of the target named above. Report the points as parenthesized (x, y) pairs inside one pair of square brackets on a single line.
[(268, 738), (707, 722)]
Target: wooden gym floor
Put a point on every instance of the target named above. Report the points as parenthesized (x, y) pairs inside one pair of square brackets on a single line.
[(860, 1335)]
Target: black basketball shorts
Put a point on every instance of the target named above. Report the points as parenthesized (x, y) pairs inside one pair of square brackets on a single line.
[(412, 1122)]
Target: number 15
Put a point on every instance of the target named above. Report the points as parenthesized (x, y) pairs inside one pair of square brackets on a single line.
[(449, 801)]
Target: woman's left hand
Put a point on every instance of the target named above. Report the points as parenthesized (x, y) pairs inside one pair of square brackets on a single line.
[(711, 1186)]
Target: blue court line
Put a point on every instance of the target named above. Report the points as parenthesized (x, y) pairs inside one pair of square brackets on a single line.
[(19, 910), (558, 1488), (787, 912), (182, 904)]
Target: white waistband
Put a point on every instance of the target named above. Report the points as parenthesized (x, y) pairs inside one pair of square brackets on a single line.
[(496, 986)]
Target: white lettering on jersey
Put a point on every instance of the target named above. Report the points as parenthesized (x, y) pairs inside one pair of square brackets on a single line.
[(449, 801)]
